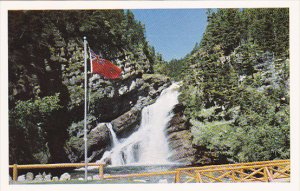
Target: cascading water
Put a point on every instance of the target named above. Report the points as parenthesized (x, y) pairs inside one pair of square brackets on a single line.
[(148, 145), (114, 138)]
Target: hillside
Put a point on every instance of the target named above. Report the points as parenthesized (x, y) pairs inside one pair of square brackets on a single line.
[(236, 86), (46, 82)]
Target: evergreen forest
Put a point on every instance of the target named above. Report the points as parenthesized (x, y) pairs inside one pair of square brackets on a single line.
[(234, 90), (235, 85)]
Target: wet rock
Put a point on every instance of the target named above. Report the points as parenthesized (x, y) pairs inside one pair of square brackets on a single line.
[(180, 144), (127, 122), (65, 176), (180, 138), (178, 121)]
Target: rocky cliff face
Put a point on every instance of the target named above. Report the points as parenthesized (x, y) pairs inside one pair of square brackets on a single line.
[(180, 138), (46, 62), (121, 105)]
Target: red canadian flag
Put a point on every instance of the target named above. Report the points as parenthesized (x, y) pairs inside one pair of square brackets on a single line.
[(104, 67)]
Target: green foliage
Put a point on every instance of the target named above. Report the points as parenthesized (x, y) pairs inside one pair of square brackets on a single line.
[(27, 122), (269, 28), (235, 85), (173, 68), (235, 81), (224, 29), (46, 58)]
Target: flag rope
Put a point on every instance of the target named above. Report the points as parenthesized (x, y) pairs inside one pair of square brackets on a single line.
[(89, 89)]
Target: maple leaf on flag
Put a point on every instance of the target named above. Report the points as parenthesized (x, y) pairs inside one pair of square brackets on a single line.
[(104, 67)]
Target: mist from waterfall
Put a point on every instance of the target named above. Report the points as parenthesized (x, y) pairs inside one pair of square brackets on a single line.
[(148, 145)]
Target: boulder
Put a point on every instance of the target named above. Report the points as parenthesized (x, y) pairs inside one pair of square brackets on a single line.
[(89, 178), (180, 144), (29, 176), (180, 138), (55, 178), (127, 122), (98, 141), (21, 178), (98, 138), (178, 121), (75, 149), (65, 176), (47, 177), (38, 178)]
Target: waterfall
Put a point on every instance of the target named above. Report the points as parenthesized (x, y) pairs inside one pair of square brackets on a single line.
[(148, 145), (114, 138)]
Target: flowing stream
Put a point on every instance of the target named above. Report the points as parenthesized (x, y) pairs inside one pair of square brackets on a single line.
[(148, 145)]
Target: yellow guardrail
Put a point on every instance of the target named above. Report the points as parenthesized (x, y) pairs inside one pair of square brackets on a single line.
[(262, 171), (15, 167)]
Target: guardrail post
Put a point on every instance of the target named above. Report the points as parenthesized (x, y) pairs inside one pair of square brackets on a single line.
[(269, 175), (177, 177), (15, 172), (198, 177), (266, 175), (101, 172)]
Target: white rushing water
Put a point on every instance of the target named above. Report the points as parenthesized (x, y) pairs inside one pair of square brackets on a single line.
[(148, 145), (114, 138)]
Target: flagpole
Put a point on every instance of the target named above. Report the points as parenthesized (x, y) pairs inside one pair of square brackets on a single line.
[(85, 108)]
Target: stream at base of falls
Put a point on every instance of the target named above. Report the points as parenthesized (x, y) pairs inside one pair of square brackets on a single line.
[(118, 170)]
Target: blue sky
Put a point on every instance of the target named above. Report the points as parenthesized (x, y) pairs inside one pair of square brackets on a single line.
[(173, 32)]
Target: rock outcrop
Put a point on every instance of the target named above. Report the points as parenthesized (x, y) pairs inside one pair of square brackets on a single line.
[(65, 177), (180, 138), (98, 141), (50, 65), (121, 104)]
